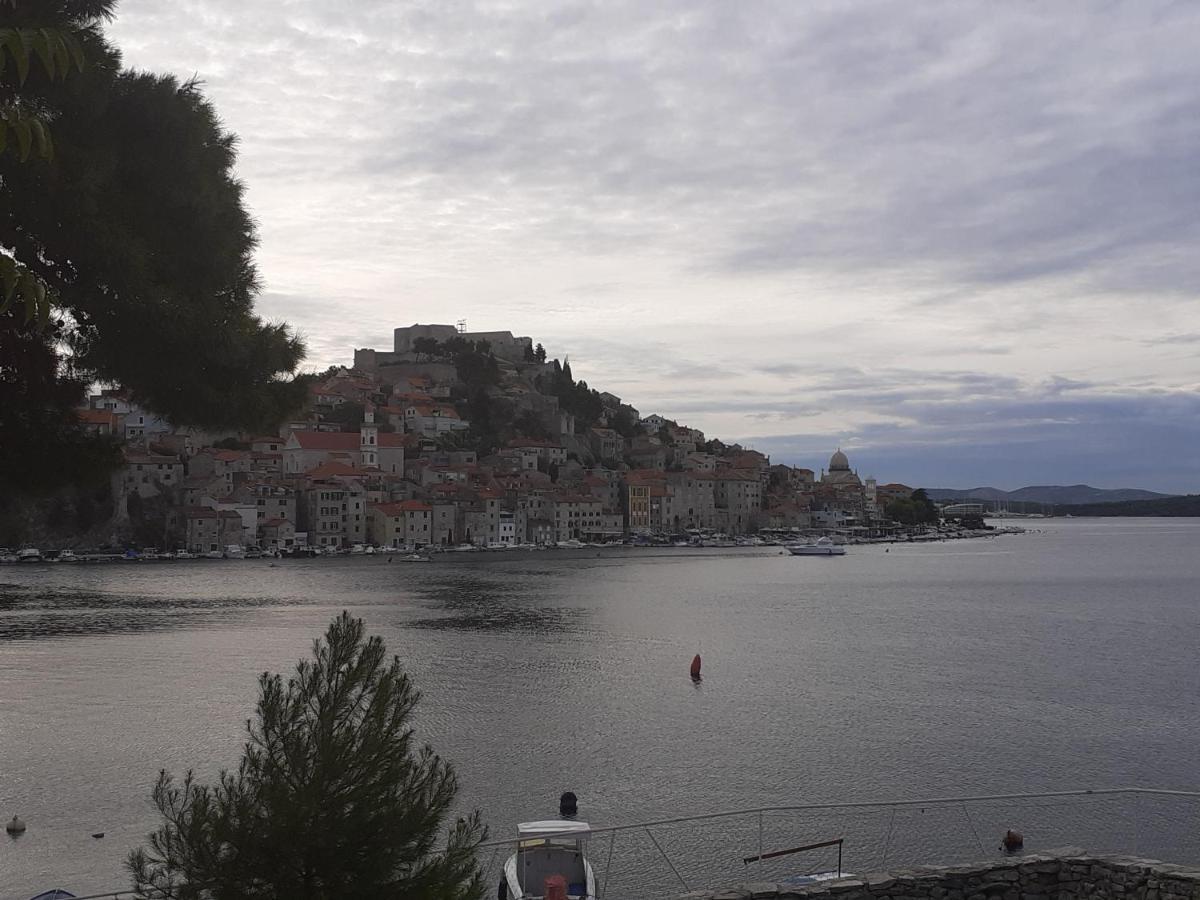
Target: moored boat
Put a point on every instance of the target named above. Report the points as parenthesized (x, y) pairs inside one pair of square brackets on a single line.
[(29, 555), (549, 852), (820, 547)]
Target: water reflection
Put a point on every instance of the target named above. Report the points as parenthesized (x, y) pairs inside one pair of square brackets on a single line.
[(520, 601), (33, 614)]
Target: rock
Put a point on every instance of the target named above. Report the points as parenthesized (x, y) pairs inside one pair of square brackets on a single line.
[(760, 889)]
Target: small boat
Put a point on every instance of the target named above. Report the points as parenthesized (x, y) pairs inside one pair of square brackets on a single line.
[(547, 852), (214, 554), (820, 547), (29, 555), (68, 556), (234, 551), (254, 553)]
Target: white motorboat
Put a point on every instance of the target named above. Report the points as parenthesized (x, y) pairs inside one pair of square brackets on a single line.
[(234, 551), (548, 851), (820, 547), (29, 555)]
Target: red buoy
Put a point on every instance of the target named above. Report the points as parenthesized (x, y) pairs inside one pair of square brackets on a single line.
[(696, 667)]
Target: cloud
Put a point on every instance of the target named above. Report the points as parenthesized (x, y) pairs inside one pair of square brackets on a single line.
[(828, 219)]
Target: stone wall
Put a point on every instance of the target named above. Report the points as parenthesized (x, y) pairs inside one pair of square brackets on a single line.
[(1065, 874)]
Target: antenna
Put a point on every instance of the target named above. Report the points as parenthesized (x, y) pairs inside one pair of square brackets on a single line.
[(462, 326)]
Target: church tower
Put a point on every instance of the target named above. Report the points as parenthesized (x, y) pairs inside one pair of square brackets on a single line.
[(368, 439)]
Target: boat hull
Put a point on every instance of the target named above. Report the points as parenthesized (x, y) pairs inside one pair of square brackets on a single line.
[(817, 551)]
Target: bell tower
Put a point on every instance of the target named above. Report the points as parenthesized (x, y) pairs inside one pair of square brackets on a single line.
[(368, 439)]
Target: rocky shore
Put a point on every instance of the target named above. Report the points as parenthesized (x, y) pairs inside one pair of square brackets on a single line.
[(1068, 873)]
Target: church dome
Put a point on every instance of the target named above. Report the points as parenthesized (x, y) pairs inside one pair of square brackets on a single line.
[(839, 463)]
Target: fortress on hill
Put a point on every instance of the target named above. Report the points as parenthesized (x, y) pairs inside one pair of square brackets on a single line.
[(504, 345)]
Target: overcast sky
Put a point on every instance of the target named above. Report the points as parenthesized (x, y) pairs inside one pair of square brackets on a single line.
[(956, 239)]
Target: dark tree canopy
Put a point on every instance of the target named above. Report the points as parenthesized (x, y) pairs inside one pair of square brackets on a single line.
[(137, 226), (332, 799)]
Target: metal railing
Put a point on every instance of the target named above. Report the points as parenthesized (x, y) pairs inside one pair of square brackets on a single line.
[(760, 812)]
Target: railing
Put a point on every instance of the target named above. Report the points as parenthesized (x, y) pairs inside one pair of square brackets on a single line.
[(758, 816)]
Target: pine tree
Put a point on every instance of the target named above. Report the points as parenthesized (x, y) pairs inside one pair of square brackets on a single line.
[(331, 799)]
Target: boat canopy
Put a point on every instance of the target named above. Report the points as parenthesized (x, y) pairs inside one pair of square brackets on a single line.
[(552, 826)]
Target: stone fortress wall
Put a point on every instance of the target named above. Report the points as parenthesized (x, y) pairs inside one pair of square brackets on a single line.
[(1064, 874), (504, 344)]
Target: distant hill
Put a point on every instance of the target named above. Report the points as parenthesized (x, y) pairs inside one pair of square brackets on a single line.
[(1056, 494), (1166, 506)]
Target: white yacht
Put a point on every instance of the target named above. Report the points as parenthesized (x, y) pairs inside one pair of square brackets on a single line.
[(548, 851), (820, 547), (29, 555)]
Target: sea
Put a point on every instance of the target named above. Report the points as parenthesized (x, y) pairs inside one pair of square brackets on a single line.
[(1064, 658)]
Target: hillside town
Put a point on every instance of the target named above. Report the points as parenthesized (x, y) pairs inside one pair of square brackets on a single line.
[(456, 438)]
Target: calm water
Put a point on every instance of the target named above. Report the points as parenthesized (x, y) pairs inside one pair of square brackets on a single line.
[(1057, 659)]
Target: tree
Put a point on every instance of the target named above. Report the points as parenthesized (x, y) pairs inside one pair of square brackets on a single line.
[(331, 799), (916, 509), (425, 346), (25, 41), (136, 228), (540, 353), (349, 415)]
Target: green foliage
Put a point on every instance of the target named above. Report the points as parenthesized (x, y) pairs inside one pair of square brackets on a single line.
[(41, 444), (915, 510), (231, 443), (425, 346), (56, 513), (529, 424), (540, 353), (625, 423), (25, 123), (85, 512), (331, 800), (137, 230), (349, 415), (151, 520)]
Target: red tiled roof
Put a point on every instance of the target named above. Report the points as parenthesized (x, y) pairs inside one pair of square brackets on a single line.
[(152, 459), (336, 469), (402, 506), (343, 440), (97, 417)]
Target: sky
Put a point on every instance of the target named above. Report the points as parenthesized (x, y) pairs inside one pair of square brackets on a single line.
[(955, 239)]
